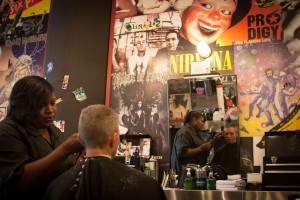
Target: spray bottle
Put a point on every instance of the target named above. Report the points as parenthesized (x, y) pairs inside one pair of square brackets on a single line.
[(211, 181), (188, 181)]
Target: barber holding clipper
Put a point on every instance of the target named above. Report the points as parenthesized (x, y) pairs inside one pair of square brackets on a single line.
[(189, 148)]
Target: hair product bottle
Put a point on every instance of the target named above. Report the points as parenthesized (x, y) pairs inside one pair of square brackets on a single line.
[(200, 179), (210, 181), (188, 181)]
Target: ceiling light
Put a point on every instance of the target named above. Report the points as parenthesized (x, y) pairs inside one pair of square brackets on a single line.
[(204, 50)]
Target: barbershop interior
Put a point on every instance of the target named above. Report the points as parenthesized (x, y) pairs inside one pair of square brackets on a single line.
[(204, 94)]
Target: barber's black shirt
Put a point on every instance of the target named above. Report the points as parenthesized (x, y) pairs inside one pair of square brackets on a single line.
[(20, 145)]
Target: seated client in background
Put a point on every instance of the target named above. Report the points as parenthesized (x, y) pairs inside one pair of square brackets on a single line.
[(228, 155)]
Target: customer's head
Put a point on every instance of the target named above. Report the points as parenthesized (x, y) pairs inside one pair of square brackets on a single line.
[(32, 101), (172, 40), (99, 128), (206, 20), (195, 119), (231, 133)]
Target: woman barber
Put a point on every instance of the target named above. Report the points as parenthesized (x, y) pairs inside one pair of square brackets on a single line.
[(188, 146), (32, 150)]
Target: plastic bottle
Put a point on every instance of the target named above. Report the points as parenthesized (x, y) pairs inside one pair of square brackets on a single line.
[(147, 169), (197, 179), (173, 181), (200, 179), (210, 181), (152, 163), (188, 181)]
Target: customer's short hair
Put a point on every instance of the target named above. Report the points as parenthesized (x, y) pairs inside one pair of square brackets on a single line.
[(231, 125), (96, 123)]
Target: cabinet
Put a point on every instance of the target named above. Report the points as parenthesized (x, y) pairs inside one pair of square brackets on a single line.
[(282, 175)]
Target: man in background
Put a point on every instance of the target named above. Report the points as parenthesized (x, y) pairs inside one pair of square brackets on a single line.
[(161, 60), (118, 59), (228, 155), (139, 61), (172, 40)]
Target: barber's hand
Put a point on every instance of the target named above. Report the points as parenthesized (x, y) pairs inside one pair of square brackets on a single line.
[(72, 144), (206, 146), (216, 137)]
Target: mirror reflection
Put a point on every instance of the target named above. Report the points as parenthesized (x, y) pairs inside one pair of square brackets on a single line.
[(204, 97), (216, 99)]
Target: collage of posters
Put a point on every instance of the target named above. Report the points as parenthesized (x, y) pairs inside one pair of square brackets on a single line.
[(256, 40)]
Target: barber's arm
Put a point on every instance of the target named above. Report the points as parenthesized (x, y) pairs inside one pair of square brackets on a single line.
[(191, 152), (39, 171)]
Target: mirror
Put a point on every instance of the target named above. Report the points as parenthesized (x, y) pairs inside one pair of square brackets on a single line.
[(215, 97), (204, 96)]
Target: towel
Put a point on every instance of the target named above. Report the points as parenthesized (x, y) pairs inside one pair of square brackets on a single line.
[(237, 182), (225, 186), (231, 189)]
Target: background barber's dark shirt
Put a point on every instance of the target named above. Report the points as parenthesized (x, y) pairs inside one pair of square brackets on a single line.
[(186, 138)]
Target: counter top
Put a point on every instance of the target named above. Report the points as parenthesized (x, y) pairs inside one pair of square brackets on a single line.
[(179, 194)]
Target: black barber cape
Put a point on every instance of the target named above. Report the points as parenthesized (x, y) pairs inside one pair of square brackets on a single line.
[(103, 178), (228, 156)]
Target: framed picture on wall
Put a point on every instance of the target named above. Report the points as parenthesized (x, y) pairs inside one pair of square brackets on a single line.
[(135, 145), (2, 113)]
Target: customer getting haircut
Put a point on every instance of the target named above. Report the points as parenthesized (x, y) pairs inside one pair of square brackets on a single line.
[(96, 123)]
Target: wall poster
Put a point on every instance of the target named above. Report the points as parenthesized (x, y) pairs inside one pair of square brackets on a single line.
[(23, 34)]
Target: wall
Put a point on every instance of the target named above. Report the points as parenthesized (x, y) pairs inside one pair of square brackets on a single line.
[(53, 39), (78, 41)]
